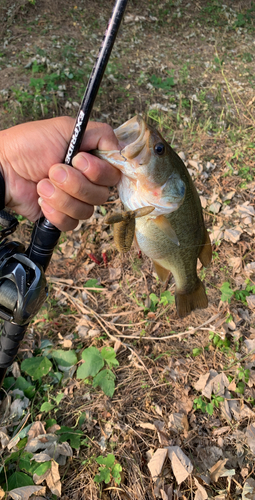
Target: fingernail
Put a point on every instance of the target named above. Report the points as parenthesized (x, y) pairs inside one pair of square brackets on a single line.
[(58, 174), (47, 208), (80, 162), (45, 188)]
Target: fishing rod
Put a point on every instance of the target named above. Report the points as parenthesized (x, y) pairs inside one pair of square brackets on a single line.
[(23, 286)]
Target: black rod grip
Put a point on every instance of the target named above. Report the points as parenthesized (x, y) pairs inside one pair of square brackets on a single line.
[(10, 340)]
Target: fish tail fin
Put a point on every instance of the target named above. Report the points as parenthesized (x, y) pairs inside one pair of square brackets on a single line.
[(205, 255), (187, 302)]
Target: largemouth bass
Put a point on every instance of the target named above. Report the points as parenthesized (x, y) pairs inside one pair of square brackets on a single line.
[(163, 213)]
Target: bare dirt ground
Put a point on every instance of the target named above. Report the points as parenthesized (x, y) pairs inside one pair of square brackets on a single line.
[(181, 422)]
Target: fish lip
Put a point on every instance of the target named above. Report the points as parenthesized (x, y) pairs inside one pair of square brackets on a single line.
[(133, 137), (130, 132)]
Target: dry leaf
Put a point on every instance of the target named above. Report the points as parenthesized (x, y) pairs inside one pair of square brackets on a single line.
[(158, 409), (233, 235), (52, 479), (250, 344), (15, 369), (156, 463), (114, 273), (67, 343), (52, 429), (164, 496), (201, 492), (203, 201), (146, 425), (219, 384), (249, 489), (2, 493), (208, 456), (180, 472), (245, 209), (41, 457), (42, 441), (19, 405), (201, 383), (236, 263), (215, 207), (218, 470), (4, 438), (25, 492), (162, 434), (181, 464), (178, 422), (250, 433), (36, 429), (251, 301)]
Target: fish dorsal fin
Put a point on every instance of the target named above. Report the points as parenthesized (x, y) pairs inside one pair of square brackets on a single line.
[(205, 255), (165, 226), (161, 271)]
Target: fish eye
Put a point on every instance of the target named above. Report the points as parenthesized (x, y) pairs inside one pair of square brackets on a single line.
[(159, 148)]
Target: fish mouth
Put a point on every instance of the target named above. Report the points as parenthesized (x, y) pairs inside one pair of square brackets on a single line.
[(133, 137)]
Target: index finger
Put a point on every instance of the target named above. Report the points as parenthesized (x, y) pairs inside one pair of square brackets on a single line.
[(99, 136)]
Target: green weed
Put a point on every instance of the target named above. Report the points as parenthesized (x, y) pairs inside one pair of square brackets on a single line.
[(201, 404), (109, 470), (165, 84), (222, 345), (91, 369), (227, 292)]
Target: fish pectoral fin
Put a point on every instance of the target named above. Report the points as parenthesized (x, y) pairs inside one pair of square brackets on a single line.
[(205, 255), (187, 302), (165, 226), (161, 271)]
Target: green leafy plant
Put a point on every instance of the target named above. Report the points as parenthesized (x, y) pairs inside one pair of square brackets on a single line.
[(197, 351), (94, 361), (109, 469), (93, 283), (221, 344), (226, 292), (72, 435), (159, 83), (201, 404)]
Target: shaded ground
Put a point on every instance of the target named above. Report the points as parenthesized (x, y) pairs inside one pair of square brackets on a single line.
[(188, 67)]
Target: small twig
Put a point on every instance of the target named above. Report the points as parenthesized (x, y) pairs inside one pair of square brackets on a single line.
[(177, 335), (124, 313), (101, 321)]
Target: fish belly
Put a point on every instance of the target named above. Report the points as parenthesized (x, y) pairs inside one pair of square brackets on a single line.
[(180, 260)]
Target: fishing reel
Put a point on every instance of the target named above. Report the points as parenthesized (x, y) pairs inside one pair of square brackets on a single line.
[(23, 286)]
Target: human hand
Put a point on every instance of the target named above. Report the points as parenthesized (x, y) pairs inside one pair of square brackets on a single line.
[(31, 157)]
